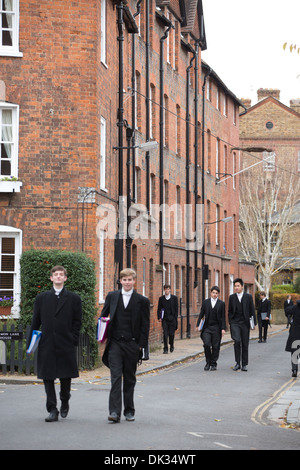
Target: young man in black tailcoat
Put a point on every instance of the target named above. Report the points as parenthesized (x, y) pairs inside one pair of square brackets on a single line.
[(213, 314), (240, 311), (127, 335)]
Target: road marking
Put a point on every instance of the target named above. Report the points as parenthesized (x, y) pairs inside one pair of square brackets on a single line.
[(223, 445), (202, 434), (257, 415)]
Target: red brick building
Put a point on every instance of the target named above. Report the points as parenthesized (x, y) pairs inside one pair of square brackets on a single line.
[(82, 86)]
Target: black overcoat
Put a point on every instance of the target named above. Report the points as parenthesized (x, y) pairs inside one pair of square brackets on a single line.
[(60, 323), (293, 341)]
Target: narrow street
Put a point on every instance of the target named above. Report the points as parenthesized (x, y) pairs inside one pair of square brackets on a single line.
[(181, 408)]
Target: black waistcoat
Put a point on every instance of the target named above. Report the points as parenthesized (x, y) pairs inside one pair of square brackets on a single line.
[(123, 323), (239, 311), (213, 317)]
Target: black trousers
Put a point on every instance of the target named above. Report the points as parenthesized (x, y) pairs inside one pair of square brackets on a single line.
[(65, 395), (169, 333), (262, 328), (240, 333), (122, 358), (211, 338)]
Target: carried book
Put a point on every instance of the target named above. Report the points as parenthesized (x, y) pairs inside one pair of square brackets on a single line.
[(252, 324), (102, 329), (34, 342), (201, 324)]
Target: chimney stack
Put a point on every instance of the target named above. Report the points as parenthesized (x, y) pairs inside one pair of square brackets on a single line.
[(263, 93), (246, 102), (295, 105)]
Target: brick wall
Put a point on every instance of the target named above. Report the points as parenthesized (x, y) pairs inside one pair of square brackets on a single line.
[(63, 89)]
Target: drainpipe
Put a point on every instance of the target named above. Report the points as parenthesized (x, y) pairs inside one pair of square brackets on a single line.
[(133, 103), (188, 326), (161, 138), (196, 68), (147, 107), (120, 124), (204, 273)]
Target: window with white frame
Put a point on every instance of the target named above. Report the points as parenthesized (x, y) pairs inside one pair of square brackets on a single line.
[(103, 31), (144, 278), (10, 252), (9, 28), (269, 161), (9, 118), (101, 265), (102, 153)]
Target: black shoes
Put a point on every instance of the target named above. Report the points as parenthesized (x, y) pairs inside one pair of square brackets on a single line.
[(129, 417), (210, 366), (294, 373), (114, 417), (238, 367), (53, 416), (64, 409)]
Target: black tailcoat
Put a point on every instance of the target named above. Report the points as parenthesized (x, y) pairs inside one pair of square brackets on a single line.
[(247, 306), (173, 317), (60, 323), (206, 311), (140, 321)]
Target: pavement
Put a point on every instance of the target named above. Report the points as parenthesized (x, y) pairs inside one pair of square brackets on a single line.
[(185, 349)]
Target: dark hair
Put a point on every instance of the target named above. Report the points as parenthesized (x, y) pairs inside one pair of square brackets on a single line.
[(58, 268), (167, 286), (262, 293), (215, 288), (238, 279)]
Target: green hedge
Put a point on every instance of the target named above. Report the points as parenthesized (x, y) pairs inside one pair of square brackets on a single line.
[(283, 289), (35, 278), (277, 299)]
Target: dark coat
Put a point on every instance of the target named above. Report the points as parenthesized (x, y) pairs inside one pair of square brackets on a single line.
[(206, 310), (140, 319), (247, 306), (264, 306), (60, 323), (287, 305), (173, 318), (294, 333)]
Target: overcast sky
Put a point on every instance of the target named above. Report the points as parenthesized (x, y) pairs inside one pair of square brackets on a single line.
[(245, 45)]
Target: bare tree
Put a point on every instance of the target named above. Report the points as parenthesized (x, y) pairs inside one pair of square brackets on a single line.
[(268, 196)]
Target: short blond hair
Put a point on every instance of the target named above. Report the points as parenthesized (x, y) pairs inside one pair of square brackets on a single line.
[(128, 272)]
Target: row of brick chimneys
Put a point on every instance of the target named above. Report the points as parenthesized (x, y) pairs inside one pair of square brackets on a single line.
[(263, 93)]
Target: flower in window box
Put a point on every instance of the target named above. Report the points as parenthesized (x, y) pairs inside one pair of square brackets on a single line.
[(5, 305)]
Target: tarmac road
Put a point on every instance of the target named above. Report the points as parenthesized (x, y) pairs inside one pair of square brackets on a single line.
[(181, 408)]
